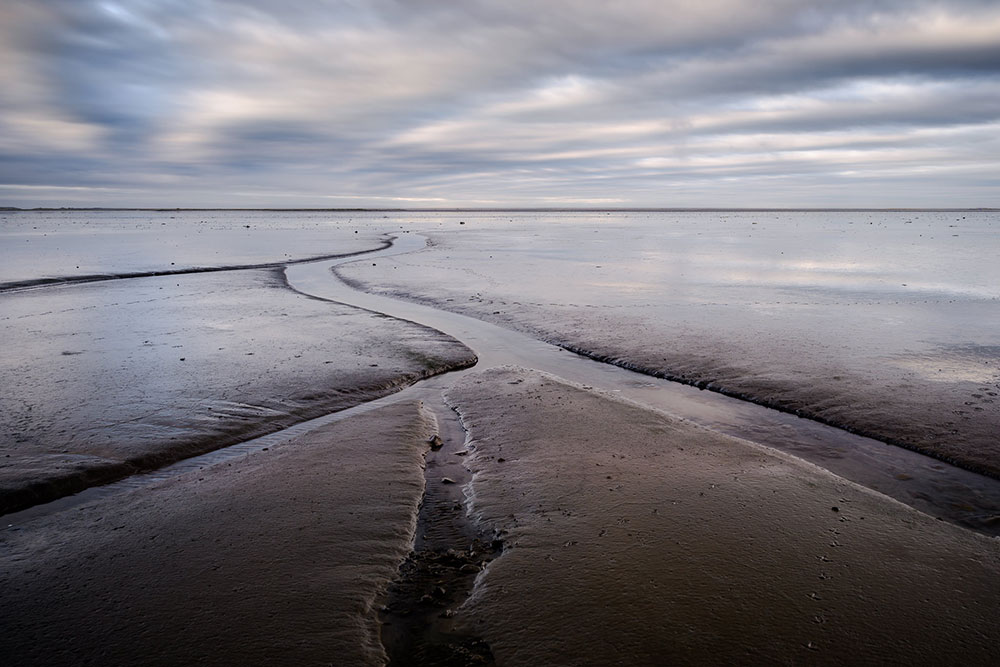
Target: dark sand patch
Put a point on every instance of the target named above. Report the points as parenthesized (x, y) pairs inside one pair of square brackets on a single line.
[(632, 536), (279, 558), (40, 247), (105, 379)]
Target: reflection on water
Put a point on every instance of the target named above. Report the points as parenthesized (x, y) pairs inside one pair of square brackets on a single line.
[(977, 364), (843, 316)]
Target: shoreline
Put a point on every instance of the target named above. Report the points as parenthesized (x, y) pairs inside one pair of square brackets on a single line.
[(576, 524)]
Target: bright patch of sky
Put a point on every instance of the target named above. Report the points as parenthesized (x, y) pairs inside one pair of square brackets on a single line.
[(386, 103)]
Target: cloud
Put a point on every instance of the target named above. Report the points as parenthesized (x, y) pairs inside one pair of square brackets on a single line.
[(198, 102)]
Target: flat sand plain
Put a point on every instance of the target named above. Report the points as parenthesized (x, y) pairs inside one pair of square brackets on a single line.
[(632, 537), (629, 536), (57, 245), (278, 558), (104, 379), (883, 323)]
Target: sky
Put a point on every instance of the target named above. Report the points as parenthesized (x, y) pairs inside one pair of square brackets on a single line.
[(506, 103)]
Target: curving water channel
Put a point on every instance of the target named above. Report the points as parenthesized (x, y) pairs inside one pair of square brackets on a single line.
[(934, 487)]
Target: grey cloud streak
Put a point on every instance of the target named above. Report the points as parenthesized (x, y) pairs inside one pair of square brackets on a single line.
[(719, 103)]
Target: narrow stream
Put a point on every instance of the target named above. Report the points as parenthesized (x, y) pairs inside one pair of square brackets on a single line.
[(449, 549), (932, 486)]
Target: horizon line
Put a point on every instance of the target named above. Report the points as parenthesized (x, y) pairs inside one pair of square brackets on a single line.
[(515, 209)]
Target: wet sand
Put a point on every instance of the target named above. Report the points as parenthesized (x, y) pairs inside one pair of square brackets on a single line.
[(106, 379), (630, 536), (627, 535), (278, 558), (881, 323), (54, 246), (939, 489)]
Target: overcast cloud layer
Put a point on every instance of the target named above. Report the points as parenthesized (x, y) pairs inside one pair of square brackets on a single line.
[(428, 103)]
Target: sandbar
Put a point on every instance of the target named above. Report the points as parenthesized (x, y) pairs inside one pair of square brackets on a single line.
[(630, 535)]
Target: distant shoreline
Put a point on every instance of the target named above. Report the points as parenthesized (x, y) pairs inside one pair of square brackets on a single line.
[(15, 209)]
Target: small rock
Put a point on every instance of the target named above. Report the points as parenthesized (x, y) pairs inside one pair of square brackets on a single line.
[(447, 480), (435, 442)]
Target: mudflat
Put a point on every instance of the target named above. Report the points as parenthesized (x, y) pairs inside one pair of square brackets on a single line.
[(279, 558), (880, 323), (632, 535), (105, 379)]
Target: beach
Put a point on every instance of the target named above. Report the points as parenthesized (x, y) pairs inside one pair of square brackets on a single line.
[(639, 535), (881, 323), (493, 429), (277, 558)]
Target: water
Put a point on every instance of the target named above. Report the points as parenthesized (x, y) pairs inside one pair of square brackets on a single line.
[(60, 244), (877, 319), (887, 323), (930, 485), (102, 379)]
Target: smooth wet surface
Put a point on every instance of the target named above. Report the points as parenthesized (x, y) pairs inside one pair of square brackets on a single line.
[(886, 323), (925, 483), (67, 244), (632, 537), (932, 486), (104, 379), (275, 557), (835, 575)]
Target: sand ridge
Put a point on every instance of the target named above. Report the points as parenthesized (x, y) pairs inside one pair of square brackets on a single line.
[(631, 533)]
